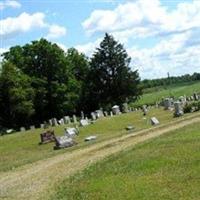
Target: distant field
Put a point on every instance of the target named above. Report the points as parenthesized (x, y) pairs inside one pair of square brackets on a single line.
[(164, 168), (21, 148), (156, 94)]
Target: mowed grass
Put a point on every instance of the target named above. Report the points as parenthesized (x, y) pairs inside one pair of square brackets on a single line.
[(166, 168), (22, 148), (176, 91)]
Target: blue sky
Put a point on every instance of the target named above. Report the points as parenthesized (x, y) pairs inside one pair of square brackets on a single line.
[(161, 36)]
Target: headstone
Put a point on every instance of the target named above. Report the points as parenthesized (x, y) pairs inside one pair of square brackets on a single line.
[(93, 116), (99, 113), (116, 110), (196, 97), (74, 119), (64, 142), (125, 108), (192, 98), (144, 109), (66, 119), (32, 127), (178, 109), (154, 121), (41, 125), (54, 122), (50, 122), (71, 132), (9, 131), (84, 122), (105, 113), (168, 103), (47, 137), (93, 137), (61, 121), (22, 129), (82, 115), (183, 100), (111, 113), (128, 128)]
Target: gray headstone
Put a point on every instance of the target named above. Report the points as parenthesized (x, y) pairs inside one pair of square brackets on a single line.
[(32, 127), (82, 115), (196, 97), (84, 122), (105, 113), (54, 122), (93, 116), (63, 142), (116, 110), (71, 132), (50, 122), (99, 113), (66, 119), (168, 103), (125, 108), (74, 119), (61, 121), (22, 129), (41, 125), (111, 113), (154, 121), (178, 110)]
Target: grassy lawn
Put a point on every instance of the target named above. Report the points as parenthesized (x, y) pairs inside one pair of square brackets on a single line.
[(167, 167), (159, 93), (21, 148)]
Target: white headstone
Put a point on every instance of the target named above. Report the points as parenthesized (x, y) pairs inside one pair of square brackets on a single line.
[(116, 110), (22, 129), (74, 119), (92, 137), (154, 121), (178, 109), (84, 122), (71, 132)]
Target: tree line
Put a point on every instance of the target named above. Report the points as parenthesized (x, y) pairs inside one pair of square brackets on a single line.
[(170, 80), (39, 81)]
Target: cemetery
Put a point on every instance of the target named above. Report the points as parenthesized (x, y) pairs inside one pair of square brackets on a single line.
[(85, 118)]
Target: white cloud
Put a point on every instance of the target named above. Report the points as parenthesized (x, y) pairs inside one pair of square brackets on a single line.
[(144, 18), (89, 48), (23, 23), (9, 3), (175, 55), (62, 46), (56, 31), (176, 31)]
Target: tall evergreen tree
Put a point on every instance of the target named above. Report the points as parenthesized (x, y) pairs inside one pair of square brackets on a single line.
[(111, 80)]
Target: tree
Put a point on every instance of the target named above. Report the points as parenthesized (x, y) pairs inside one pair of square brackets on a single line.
[(79, 67), (111, 80), (53, 82), (16, 96)]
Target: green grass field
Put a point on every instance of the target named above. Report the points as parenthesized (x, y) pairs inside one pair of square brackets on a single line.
[(22, 148), (166, 168), (158, 93)]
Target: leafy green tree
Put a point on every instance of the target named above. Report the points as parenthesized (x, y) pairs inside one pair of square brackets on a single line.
[(79, 66), (111, 80), (52, 79), (16, 96)]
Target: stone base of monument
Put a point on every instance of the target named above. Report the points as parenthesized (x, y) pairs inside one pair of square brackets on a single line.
[(63, 142)]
